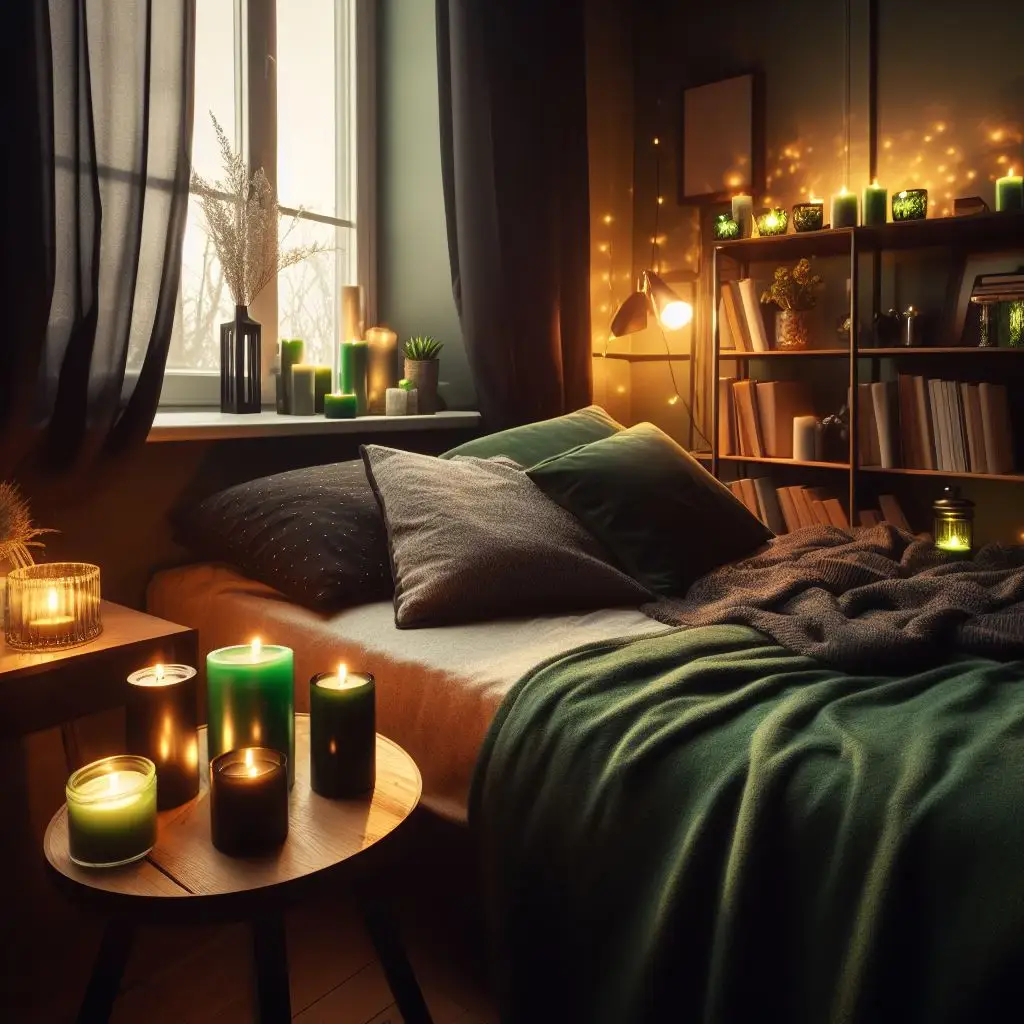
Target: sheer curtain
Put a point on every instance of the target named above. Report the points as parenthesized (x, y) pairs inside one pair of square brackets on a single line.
[(96, 196)]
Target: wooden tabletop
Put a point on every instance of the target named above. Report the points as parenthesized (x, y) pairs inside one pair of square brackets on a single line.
[(184, 875)]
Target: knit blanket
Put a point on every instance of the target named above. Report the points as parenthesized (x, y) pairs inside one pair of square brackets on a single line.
[(876, 600)]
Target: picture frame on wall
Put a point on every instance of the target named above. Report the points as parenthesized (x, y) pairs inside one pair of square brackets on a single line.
[(722, 140)]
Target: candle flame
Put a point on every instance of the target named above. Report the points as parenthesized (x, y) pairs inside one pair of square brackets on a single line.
[(815, 199), (257, 648), (842, 191), (874, 183), (51, 597), (249, 763), (111, 783), (342, 672), (159, 671)]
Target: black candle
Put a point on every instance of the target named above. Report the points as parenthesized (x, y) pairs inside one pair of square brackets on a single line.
[(161, 721), (342, 733), (248, 800)]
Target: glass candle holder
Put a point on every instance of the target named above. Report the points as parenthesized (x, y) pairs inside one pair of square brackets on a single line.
[(342, 733), (954, 523), (52, 606), (773, 221), (112, 811), (248, 800), (161, 719), (910, 204), (809, 216), (726, 228)]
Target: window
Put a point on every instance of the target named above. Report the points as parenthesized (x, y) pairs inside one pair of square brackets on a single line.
[(307, 131)]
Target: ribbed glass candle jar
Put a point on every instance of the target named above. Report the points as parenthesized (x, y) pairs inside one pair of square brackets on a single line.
[(52, 605)]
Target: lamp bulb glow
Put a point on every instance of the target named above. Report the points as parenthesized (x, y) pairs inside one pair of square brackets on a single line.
[(676, 314)]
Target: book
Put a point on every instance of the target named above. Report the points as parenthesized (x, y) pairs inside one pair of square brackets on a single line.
[(892, 513), (975, 428), (734, 314), (869, 517), (778, 402), (940, 426), (750, 495), (726, 340), (958, 445), (819, 498), (802, 502), (925, 434), (753, 315), (726, 417), (995, 423), (867, 431), (910, 430), (789, 513), (883, 395), (836, 513), (748, 419), (771, 513)]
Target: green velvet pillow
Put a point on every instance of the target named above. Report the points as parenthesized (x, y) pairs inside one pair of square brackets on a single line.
[(533, 442), (657, 511)]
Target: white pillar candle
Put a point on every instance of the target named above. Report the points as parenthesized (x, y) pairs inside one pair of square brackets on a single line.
[(396, 402), (743, 214), (412, 402), (805, 438)]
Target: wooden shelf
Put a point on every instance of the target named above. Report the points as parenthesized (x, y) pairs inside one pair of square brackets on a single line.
[(643, 357), (958, 350), (799, 353), (844, 466), (899, 471), (784, 247)]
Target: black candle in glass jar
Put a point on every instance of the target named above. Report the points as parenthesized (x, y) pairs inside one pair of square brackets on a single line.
[(342, 733), (248, 800)]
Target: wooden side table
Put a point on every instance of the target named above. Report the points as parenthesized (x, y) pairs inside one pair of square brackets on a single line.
[(185, 880)]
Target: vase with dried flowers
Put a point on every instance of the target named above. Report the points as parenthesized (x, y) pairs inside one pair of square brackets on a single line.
[(242, 213), (795, 292), (18, 535)]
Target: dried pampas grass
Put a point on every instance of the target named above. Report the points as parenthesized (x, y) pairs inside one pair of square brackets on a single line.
[(17, 534)]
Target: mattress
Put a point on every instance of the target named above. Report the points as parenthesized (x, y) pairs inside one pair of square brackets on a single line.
[(437, 689)]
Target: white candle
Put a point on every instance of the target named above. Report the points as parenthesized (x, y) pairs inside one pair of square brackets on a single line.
[(743, 214), (805, 439), (396, 402)]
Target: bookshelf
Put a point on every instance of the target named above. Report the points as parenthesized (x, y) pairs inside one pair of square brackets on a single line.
[(857, 254)]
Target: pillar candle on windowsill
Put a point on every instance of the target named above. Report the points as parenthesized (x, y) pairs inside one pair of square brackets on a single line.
[(381, 368), (250, 696), (292, 350), (342, 733), (321, 387), (875, 201), (395, 402), (743, 214), (352, 359), (1010, 193), (248, 800), (844, 209), (351, 312), (340, 407), (303, 390)]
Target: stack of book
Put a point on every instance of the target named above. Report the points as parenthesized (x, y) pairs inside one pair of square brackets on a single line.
[(755, 418), (919, 423), (740, 320)]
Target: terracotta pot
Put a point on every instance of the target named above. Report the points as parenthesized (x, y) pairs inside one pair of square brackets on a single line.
[(792, 329), (423, 374)]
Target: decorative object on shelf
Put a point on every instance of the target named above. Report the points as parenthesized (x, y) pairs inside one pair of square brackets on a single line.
[(844, 209), (303, 389), (806, 439), (1014, 312), (322, 383), (421, 367), (809, 216), (342, 733), (954, 523), (835, 436), (352, 361), (843, 330), (874, 203), (910, 204), (911, 328), (969, 206), (743, 214), (52, 606), (250, 698), (1010, 193), (772, 221), (999, 298), (161, 719), (351, 313), (794, 292), (18, 535), (985, 333), (112, 811), (726, 228), (292, 353), (242, 213), (886, 328), (340, 407), (249, 800), (401, 401), (381, 368)]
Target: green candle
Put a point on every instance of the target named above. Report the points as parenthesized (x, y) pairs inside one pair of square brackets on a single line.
[(112, 811), (342, 733), (340, 407), (250, 697), (874, 204), (352, 372), (844, 209), (321, 386), (291, 353), (1010, 193)]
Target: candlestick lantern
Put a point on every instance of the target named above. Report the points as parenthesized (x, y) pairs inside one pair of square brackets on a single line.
[(954, 523)]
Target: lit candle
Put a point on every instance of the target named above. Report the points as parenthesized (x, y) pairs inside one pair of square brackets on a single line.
[(1010, 193), (248, 800), (743, 214), (772, 222), (352, 362), (112, 811), (292, 350), (161, 719), (875, 201), (809, 216), (50, 623), (844, 209), (52, 605), (342, 733), (303, 390), (381, 368), (250, 696), (340, 407), (726, 227)]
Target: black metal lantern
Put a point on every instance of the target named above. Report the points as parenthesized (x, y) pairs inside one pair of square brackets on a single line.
[(954, 523), (240, 364)]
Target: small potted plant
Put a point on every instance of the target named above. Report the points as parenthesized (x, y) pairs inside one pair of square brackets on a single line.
[(421, 364), (795, 292)]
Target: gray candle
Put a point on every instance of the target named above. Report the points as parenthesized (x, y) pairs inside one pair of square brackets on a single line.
[(303, 390)]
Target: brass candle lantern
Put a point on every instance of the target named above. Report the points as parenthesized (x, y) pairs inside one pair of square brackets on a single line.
[(954, 523)]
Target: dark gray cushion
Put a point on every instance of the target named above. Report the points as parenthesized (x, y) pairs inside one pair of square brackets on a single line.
[(475, 539)]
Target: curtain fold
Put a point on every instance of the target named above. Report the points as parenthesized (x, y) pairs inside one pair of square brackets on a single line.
[(98, 199), (513, 113)]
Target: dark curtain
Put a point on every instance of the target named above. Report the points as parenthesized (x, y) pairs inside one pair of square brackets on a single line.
[(99, 114), (513, 108)]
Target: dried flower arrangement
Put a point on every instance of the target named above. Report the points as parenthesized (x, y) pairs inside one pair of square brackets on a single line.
[(241, 213), (794, 289), (17, 534)]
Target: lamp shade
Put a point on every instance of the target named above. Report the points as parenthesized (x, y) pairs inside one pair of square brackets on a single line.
[(631, 316), (652, 294)]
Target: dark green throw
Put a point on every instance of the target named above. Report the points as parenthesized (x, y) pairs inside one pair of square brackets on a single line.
[(703, 826)]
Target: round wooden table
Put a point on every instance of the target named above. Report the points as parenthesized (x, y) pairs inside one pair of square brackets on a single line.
[(185, 880)]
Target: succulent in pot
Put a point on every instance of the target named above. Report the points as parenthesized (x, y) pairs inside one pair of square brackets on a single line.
[(422, 360)]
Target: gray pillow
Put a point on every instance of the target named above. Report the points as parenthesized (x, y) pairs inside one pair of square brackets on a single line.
[(475, 539)]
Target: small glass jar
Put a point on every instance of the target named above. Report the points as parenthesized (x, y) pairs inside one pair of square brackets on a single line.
[(910, 204), (809, 216), (773, 221), (726, 228), (112, 811), (954, 523), (52, 605)]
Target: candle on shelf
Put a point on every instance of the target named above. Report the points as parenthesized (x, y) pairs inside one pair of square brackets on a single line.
[(396, 402), (1010, 193), (844, 209), (292, 352), (809, 216), (743, 214), (352, 361), (342, 733), (248, 800), (910, 204), (806, 434), (874, 205), (340, 407), (321, 387), (52, 605), (412, 396), (726, 228), (303, 390), (381, 371), (250, 696), (112, 811), (161, 719), (772, 222), (351, 312)]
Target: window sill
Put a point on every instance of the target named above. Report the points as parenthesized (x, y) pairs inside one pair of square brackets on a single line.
[(213, 425)]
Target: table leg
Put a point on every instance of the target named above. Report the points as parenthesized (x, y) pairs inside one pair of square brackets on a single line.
[(397, 969), (105, 982), (270, 971)]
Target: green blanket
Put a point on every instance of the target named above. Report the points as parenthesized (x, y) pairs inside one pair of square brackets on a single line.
[(703, 826)]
